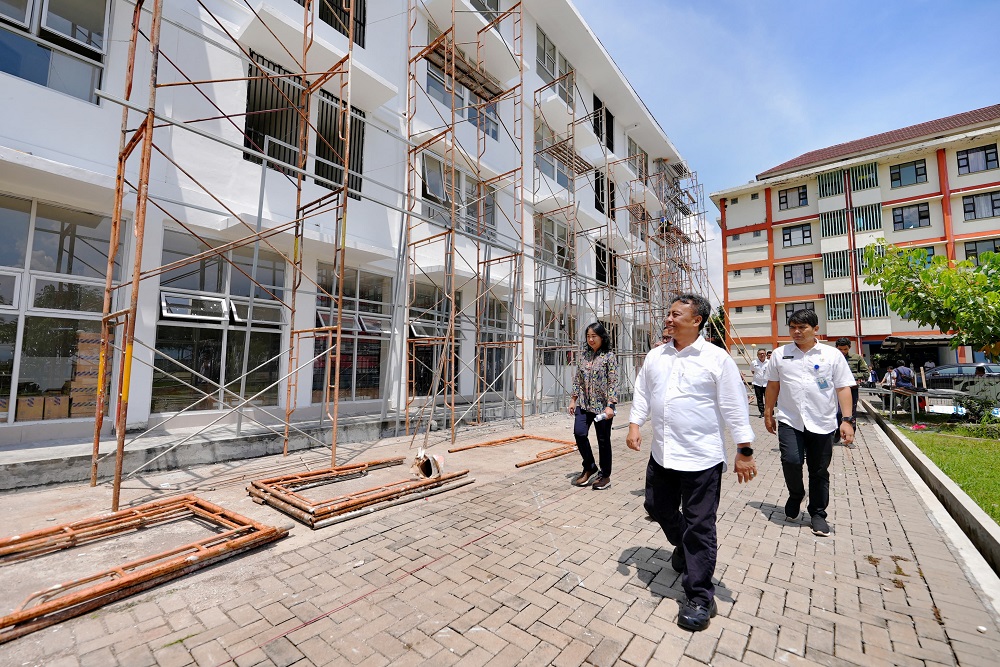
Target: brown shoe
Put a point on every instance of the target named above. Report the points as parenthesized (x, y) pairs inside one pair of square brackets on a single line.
[(584, 478), (601, 483)]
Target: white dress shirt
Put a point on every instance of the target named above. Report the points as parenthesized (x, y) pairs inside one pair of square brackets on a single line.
[(688, 394), (809, 381), (759, 369)]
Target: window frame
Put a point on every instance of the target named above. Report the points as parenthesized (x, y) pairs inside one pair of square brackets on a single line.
[(899, 216), (919, 173), (787, 240), (807, 273), (784, 200), (969, 205), (989, 151)]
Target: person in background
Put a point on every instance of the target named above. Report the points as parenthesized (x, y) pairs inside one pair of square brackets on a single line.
[(929, 365), (859, 369), (904, 375), (595, 386), (689, 388), (806, 381), (664, 339), (759, 368)]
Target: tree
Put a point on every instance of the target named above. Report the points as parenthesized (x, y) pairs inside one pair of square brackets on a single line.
[(960, 297), (717, 327)]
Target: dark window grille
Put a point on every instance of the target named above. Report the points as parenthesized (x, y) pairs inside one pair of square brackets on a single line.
[(330, 144), (607, 266), (334, 14), (908, 173), (977, 159), (272, 112)]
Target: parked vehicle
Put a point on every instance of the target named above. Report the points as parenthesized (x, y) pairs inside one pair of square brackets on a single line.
[(947, 376)]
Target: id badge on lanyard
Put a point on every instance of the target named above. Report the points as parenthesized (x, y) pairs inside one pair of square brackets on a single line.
[(821, 382)]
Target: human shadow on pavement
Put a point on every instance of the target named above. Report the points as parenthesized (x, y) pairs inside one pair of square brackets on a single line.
[(653, 572), (773, 513)]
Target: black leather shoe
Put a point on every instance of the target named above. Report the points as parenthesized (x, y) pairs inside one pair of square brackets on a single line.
[(695, 617), (677, 560)]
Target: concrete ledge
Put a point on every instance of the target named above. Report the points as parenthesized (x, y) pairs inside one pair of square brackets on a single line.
[(982, 530)]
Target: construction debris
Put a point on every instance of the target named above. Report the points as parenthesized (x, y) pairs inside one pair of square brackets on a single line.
[(507, 441), (72, 598), (555, 452), (282, 494)]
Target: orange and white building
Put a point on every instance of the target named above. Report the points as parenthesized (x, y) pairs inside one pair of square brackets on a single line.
[(794, 237)]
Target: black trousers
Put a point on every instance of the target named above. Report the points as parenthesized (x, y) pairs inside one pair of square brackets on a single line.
[(816, 449), (685, 505), (602, 430), (759, 392)]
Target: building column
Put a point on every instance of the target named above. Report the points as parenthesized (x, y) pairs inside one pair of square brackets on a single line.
[(773, 291), (949, 233), (725, 274)]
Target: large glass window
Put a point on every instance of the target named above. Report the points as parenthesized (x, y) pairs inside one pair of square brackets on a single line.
[(972, 160), (364, 337), (71, 242), (985, 205), (8, 341), (908, 173), (203, 326), (798, 274), (796, 235), (552, 243), (790, 308), (911, 217), (546, 147), (15, 218), (793, 198), (57, 378), (57, 43), (973, 249)]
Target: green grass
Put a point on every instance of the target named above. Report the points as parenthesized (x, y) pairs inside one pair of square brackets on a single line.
[(971, 463)]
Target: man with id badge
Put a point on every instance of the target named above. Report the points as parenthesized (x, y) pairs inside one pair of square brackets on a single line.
[(806, 382)]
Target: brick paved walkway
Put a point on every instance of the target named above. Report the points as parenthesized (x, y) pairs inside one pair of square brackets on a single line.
[(525, 569)]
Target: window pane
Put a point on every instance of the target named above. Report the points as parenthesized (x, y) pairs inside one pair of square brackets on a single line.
[(62, 295), (262, 356), (71, 242), (8, 285), (15, 9), (58, 373), (15, 216), (373, 293), (206, 275), (270, 274), (79, 20), (8, 335), (182, 305), (73, 76), (194, 360)]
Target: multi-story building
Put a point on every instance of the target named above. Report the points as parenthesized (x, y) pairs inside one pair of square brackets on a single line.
[(504, 187), (794, 237)]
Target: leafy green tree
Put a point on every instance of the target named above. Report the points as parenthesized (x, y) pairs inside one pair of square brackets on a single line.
[(717, 327), (961, 297)]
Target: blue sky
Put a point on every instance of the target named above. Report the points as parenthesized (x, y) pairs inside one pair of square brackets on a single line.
[(743, 85)]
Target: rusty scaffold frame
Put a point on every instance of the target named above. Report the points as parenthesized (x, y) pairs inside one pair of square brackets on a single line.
[(453, 238), (235, 534), (139, 126)]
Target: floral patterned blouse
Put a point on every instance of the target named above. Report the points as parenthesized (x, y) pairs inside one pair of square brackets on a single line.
[(595, 384)]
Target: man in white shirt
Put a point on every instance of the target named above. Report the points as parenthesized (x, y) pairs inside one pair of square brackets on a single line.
[(806, 381), (688, 388), (759, 368)]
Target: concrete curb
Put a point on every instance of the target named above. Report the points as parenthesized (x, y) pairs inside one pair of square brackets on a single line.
[(980, 528)]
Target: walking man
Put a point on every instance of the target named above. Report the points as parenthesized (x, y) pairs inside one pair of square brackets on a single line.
[(759, 368), (806, 381), (688, 388), (859, 369)]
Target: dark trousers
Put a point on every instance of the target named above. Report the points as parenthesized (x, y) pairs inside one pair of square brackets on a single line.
[(816, 449), (759, 392), (602, 430), (855, 391), (685, 505)]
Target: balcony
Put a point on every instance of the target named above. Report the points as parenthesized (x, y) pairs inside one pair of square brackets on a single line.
[(497, 56), (270, 25)]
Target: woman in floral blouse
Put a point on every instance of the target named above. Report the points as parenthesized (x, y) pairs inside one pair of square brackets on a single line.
[(595, 390)]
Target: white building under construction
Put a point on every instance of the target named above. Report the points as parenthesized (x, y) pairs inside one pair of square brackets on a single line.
[(272, 214)]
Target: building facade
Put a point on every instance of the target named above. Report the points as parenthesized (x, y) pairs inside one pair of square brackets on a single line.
[(794, 237), (341, 211)]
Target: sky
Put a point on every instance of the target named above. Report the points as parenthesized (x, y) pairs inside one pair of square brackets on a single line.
[(743, 85)]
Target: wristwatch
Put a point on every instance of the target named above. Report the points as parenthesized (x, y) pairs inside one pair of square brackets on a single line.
[(849, 420), (745, 451)]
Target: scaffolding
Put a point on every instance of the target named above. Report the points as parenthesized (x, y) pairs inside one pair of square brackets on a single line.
[(458, 321), (653, 222), (465, 217)]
